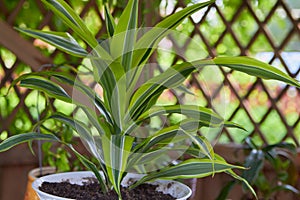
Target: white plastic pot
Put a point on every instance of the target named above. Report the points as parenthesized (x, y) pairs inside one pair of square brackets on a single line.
[(175, 189)]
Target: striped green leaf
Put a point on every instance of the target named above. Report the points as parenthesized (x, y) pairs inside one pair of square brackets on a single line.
[(195, 112), (61, 40), (28, 137), (33, 81), (109, 22), (255, 68), (116, 150), (146, 95), (25, 137), (200, 148), (91, 166), (149, 157), (171, 134), (71, 19), (125, 35), (237, 177), (111, 77), (192, 168), (191, 111), (47, 86), (230, 124), (148, 42), (102, 127), (82, 130), (54, 90), (85, 90)]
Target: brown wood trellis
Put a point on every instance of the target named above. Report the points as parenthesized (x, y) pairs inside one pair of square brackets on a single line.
[(26, 53)]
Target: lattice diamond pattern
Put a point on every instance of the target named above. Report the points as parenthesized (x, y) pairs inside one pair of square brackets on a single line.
[(267, 30), (251, 30)]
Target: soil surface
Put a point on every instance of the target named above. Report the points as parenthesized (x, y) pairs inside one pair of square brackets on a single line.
[(91, 191)]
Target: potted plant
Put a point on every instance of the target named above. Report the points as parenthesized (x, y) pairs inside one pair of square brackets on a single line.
[(272, 170), (110, 128)]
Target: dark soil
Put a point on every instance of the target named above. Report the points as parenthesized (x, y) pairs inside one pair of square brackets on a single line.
[(91, 191)]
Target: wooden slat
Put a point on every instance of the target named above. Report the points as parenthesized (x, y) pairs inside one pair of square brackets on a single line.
[(23, 49)]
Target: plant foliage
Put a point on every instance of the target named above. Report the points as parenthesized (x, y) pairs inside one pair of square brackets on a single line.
[(126, 104)]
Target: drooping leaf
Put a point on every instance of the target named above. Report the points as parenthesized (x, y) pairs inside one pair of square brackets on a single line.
[(173, 134), (71, 19), (65, 78), (47, 86), (255, 68), (85, 90), (283, 145), (91, 166), (82, 130), (146, 95), (225, 190), (191, 168), (191, 111), (25, 137), (63, 41), (243, 180), (237, 177)]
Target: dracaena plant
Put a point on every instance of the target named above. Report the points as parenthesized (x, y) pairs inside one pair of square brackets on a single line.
[(115, 115)]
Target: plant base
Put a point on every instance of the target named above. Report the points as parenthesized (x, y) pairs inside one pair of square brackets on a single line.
[(92, 191)]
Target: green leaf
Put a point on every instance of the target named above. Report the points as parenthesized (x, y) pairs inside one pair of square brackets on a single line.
[(47, 86), (83, 131), (170, 132), (152, 37), (116, 150), (225, 190), (109, 22), (71, 19), (85, 90), (283, 145), (147, 94), (125, 35), (254, 164), (230, 124), (192, 168), (91, 166), (244, 181), (255, 68), (237, 177), (65, 78), (285, 187), (112, 79), (191, 111), (63, 41), (173, 134), (149, 41), (25, 137)]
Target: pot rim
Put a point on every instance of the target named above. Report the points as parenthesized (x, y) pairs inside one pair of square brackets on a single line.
[(45, 170)]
